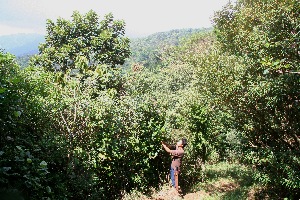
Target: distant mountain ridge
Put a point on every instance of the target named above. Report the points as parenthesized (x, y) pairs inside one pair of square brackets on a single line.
[(27, 43), (146, 51), (21, 44), (171, 37)]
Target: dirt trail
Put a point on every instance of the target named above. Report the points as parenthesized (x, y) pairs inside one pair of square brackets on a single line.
[(169, 193), (172, 194)]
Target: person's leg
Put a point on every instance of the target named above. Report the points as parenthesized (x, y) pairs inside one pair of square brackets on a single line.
[(176, 180), (172, 176)]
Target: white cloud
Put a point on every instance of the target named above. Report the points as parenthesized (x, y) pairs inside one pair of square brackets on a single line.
[(7, 30), (141, 16)]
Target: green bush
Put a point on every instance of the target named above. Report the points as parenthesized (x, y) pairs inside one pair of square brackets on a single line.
[(264, 36)]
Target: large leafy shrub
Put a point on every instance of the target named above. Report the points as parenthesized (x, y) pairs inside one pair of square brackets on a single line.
[(23, 172), (265, 37)]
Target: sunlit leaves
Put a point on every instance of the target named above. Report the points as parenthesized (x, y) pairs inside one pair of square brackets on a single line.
[(100, 42), (263, 36)]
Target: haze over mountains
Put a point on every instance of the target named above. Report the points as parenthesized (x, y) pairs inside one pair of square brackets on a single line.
[(27, 44), (21, 44)]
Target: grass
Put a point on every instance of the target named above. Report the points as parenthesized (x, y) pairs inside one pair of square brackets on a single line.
[(224, 181), (227, 181)]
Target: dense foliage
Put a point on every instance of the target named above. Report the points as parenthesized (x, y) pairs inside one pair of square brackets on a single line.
[(265, 103), (85, 38), (20, 154), (89, 129)]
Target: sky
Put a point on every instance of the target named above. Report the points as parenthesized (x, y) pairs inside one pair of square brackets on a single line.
[(142, 17)]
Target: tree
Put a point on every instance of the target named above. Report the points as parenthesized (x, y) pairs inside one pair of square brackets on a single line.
[(264, 35), (83, 43)]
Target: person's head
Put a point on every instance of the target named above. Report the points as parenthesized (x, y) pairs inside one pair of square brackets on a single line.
[(182, 143)]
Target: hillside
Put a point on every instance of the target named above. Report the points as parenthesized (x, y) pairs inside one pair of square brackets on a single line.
[(147, 50)]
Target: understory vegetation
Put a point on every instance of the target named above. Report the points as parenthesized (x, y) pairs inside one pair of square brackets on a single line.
[(76, 123)]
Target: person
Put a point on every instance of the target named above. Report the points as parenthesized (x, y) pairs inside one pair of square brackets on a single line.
[(177, 156)]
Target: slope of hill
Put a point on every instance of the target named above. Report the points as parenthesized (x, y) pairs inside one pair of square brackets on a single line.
[(21, 44), (146, 51)]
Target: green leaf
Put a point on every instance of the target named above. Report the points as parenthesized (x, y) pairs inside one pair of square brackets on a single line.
[(17, 113), (267, 45), (5, 169), (266, 71), (2, 90), (48, 189), (43, 164), (20, 148)]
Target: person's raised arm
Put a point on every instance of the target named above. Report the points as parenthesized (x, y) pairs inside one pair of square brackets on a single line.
[(165, 147)]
